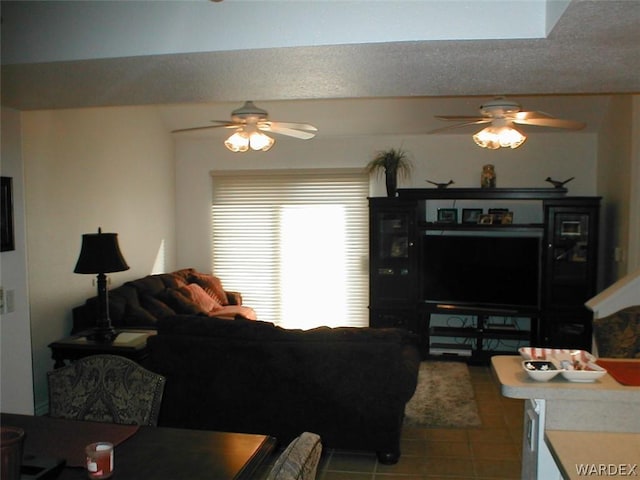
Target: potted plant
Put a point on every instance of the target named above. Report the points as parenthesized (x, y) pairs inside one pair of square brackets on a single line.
[(393, 162)]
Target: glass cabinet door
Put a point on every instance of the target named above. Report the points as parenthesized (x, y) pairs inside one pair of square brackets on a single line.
[(393, 235), (570, 251), (392, 265)]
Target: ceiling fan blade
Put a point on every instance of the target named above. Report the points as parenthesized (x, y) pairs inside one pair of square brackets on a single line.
[(228, 123), (297, 126), (290, 132), (192, 129), (528, 115), (460, 117), (551, 122), (460, 125)]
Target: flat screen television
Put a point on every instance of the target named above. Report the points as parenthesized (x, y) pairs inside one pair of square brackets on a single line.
[(498, 271)]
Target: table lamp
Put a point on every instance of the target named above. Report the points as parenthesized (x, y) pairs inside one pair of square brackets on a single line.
[(101, 254)]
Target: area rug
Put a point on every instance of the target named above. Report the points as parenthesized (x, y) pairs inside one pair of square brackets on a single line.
[(443, 398)]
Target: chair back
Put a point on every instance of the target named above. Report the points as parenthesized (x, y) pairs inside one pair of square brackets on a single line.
[(618, 335), (300, 459), (106, 388)]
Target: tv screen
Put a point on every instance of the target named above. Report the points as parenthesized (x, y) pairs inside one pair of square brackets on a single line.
[(491, 271)]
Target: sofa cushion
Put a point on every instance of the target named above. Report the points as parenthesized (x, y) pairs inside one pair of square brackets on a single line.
[(212, 285), (178, 302), (156, 307), (197, 295), (171, 280), (150, 285), (184, 273), (136, 316), (232, 311), (119, 299)]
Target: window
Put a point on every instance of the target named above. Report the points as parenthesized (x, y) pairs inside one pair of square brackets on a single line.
[(295, 243)]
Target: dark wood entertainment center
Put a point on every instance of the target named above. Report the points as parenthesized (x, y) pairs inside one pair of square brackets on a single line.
[(518, 279)]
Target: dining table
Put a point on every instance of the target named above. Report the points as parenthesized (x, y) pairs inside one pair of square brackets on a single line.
[(54, 448)]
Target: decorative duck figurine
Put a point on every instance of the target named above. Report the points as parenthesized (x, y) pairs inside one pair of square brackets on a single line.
[(557, 183), (440, 185)]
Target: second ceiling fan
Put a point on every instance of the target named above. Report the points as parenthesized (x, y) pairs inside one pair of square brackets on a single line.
[(503, 115)]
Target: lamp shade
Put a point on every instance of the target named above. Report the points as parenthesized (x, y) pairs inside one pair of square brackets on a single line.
[(100, 253)]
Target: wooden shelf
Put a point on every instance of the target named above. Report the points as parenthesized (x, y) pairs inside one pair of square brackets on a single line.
[(482, 193), (480, 227)]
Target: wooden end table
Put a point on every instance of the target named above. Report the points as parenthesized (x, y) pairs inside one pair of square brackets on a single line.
[(128, 343)]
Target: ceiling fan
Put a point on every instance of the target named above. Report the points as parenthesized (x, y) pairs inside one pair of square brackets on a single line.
[(249, 122), (502, 115)]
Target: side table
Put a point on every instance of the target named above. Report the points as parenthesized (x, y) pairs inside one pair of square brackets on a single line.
[(131, 344)]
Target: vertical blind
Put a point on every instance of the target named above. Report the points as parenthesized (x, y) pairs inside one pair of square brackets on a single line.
[(294, 243)]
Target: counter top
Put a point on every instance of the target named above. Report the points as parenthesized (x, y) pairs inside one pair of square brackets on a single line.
[(581, 455), (515, 383)]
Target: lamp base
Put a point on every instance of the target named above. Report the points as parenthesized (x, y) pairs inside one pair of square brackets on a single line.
[(102, 334)]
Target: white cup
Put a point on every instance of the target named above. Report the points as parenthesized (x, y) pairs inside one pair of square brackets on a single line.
[(99, 459)]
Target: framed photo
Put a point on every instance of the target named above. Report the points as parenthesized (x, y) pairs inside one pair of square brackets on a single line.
[(399, 247), (507, 218), (448, 215), (570, 228), (6, 229), (498, 213), (471, 215), (485, 219)]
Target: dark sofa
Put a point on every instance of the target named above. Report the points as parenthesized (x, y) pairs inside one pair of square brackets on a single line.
[(349, 385), (142, 302)]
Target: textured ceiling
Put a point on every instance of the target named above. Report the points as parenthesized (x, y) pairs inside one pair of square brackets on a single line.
[(593, 50)]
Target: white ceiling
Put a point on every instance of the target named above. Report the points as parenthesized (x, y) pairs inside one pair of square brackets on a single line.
[(374, 78)]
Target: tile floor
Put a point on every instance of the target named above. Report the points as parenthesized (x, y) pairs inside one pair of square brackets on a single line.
[(491, 451)]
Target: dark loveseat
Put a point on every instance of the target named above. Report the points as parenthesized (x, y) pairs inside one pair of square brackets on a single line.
[(142, 302), (349, 385)]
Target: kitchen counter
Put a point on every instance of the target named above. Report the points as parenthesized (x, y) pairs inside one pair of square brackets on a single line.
[(560, 405), (580, 454), (573, 404)]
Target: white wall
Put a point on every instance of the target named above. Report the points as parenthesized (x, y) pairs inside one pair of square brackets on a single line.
[(16, 388), (435, 157), (614, 184), (84, 169), (634, 212)]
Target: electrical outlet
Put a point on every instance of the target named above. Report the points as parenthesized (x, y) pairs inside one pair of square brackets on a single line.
[(10, 303)]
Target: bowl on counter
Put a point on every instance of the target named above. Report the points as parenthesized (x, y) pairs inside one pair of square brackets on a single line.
[(582, 372), (540, 370)]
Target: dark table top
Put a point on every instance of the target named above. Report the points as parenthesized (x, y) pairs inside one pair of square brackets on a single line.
[(146, 452)]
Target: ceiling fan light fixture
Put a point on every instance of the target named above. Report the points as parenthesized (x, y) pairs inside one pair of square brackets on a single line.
[(238, 142), (260, 141), (499, 137), (247, 137)]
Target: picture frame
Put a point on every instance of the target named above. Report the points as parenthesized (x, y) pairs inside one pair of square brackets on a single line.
[(471, 215), (569, 228), (498, 213), (448, 215), (485, 219), (6, 215), (507, 218)]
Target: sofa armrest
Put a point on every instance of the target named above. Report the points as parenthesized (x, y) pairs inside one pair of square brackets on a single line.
[(234, 298)]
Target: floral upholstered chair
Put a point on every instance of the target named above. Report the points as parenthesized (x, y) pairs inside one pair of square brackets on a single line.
[(618, 335), (106, 388), (300, 459)]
